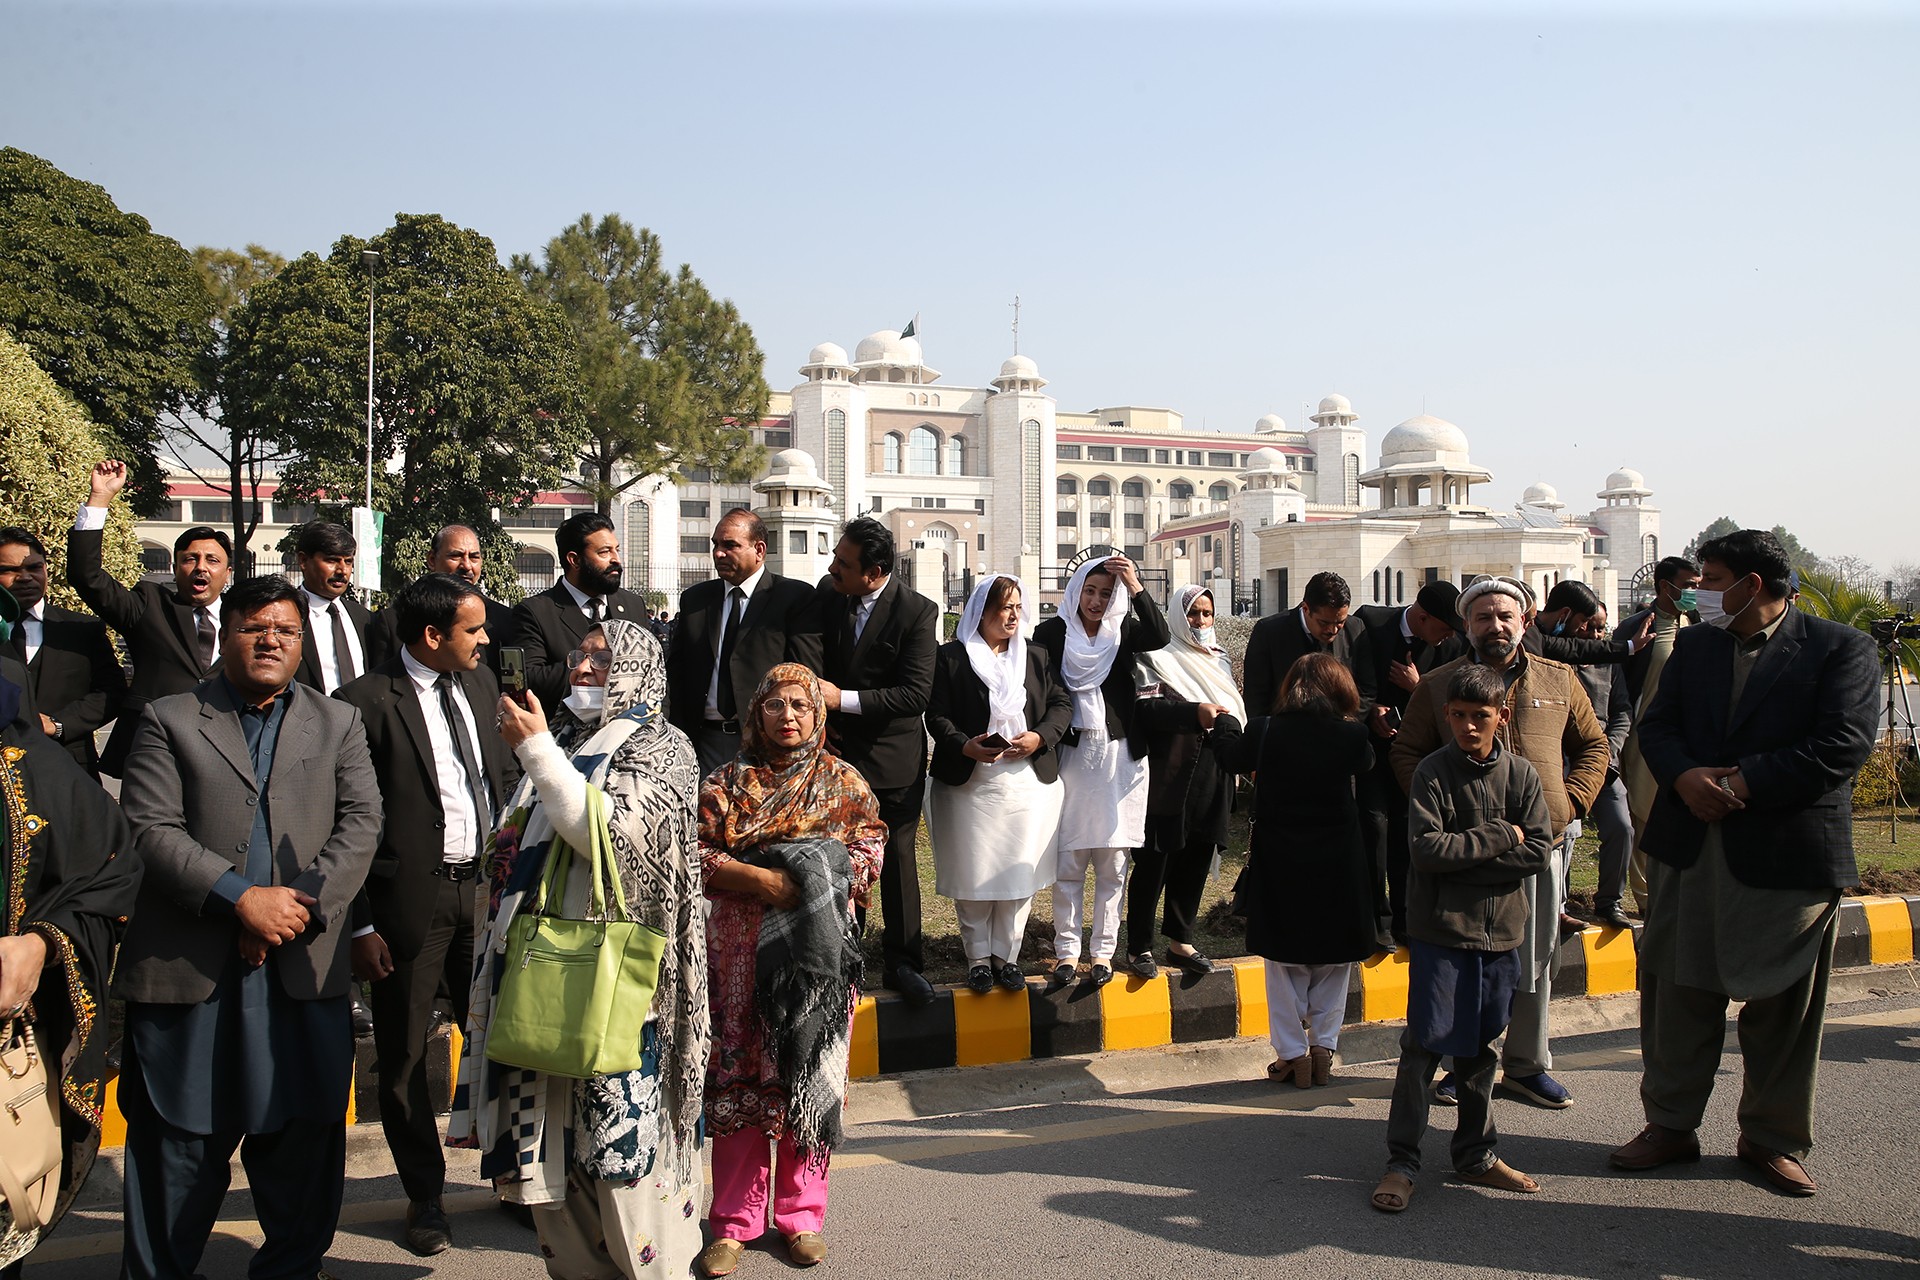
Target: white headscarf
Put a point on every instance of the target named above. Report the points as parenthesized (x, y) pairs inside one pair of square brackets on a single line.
[(1088, 659), (1190, 668), (1004, 674)]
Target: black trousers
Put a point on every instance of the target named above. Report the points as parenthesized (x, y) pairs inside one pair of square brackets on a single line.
[(402, 1006), (900, 941), (176, 1181), (1383, 828), (1182, 875)]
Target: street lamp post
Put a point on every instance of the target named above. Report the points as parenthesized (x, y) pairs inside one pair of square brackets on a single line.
[(370, 259)]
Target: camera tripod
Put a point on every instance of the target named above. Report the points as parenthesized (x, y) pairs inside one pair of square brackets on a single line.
[(1899, 751)]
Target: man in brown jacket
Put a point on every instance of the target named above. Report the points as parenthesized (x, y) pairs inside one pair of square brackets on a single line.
[(1554, 728)]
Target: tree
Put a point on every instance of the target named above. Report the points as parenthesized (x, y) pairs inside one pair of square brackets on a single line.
[(47, 446), (1852, 570), (230, 462), (1825, 596), (1797, 555), (1905, 578), (669, 375), (115, 313), (475, 386)]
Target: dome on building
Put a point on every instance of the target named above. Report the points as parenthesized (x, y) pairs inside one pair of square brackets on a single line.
[(1336, 403), (1627, 480), (1424, 435), (1541, 494), (827, 353), (1268, 424), (792, 464), (878, 348), (1266, 458), (1019, 367)]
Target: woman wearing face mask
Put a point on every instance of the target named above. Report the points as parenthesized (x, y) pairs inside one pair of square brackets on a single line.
[(1195, 716), (791, 839), (993, 805), (610, 1164), (1105, 621)]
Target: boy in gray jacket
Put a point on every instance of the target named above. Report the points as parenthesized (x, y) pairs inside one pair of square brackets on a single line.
[(1478, 827)]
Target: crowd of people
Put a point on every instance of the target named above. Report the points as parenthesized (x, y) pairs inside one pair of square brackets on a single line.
[(314, 797)]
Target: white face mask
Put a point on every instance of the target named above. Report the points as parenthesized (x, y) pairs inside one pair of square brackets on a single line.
[(1712, 608), (1204, 635), (586, 701)]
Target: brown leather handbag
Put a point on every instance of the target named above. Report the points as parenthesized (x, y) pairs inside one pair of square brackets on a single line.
[(29, 1128)]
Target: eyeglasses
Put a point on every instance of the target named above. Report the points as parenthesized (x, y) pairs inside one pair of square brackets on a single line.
[(780, 707), (278, 633), (602, 659)]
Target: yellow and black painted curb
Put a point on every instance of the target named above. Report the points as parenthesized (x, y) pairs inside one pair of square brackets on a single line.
[(964, 1029)]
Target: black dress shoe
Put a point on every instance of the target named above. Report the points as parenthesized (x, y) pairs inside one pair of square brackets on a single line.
[(1010, 978), (1102, 974), (428, 1231), (980, 978), (912, 987), (1142, 965), (1063, 975), (1194, 965), (1614, 917), (362, 1020)]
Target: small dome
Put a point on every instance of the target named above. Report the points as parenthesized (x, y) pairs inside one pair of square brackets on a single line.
[(1266, 458), (1019, 367), (794, 464), (1424, 434), (887, 347), (1336, 403), (1539, 495), (1627, 480), (1268, 424), (827, 353)]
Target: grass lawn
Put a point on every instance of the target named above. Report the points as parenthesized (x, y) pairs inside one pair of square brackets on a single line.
[(1887, 865)]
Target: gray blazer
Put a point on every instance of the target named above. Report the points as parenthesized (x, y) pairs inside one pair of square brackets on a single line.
[(189, 793)]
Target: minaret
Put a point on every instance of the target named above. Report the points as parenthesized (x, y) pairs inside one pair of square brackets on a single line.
[(1339, 453), (798, 512)]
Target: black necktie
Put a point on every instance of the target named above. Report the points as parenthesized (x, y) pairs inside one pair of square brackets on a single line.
[(20, 640), (723, 697), (203, 632), (596, 609), (463, 747), (342, 655)]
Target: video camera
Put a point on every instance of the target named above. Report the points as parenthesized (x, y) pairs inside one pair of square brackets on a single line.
[(1894, 628)]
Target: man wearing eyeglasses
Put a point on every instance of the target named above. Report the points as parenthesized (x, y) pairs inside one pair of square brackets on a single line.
[(255, 814), (443, 774)]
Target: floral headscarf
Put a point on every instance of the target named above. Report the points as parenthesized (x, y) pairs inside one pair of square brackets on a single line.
[(770, 794)]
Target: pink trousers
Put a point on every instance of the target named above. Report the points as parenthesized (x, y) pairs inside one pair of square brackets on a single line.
[(743, 1165)]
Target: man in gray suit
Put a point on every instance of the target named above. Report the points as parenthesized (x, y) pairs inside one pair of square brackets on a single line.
[(255, 810)]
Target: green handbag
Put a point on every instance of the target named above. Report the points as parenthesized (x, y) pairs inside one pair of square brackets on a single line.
[(574, 996)]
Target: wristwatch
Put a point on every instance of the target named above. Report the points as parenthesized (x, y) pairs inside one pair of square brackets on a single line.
[(59, 730)]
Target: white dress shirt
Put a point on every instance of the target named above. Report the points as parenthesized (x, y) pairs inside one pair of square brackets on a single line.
[(320, 639), (456, 803), (583, 600), (746, 589), (850, 698), (91, 518), (33, 626)]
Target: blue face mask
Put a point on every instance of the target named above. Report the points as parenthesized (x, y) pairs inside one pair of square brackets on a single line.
[(1560, 627), (1689, 601)]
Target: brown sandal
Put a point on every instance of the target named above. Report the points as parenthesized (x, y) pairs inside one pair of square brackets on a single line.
[(1322, 1064), (1500, 1176), (1393, 1193)]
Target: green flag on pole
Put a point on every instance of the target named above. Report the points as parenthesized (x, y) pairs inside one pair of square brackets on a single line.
[(908, 331)]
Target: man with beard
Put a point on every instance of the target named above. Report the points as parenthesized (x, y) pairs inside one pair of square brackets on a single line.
[(335, 652), (456, 550), (1552, 724), (732, 631), (551, 625), (170, 632), (72, 675)]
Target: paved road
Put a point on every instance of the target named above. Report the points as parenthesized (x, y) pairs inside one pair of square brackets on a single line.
[(1207, 1172)]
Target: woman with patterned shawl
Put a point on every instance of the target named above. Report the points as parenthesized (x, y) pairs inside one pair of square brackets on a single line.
[(790, 839), (71, 877), (610, 1164)]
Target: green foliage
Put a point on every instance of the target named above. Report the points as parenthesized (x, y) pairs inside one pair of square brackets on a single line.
[(668, 375), (1825, 596), (1883, 778), (47, 446), (1797, 555), (475, 386), (114, 313)]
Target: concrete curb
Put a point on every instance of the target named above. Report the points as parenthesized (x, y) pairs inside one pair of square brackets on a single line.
[(1226, 1009)]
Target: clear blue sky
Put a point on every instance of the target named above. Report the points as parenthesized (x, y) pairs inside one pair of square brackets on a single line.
[(1592, 236)]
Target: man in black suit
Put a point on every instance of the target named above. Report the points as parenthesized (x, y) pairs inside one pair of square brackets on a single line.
[(444, 772), (171, 633), (336, 648), (1319, 625), (1403, 644), (455, 549), (551, 625), (877, 644), (732, 630), (1674, 582), (1760, 722), (71, 669)]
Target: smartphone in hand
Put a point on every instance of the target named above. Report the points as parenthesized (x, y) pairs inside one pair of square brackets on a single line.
[(513, 673), (994, 742)]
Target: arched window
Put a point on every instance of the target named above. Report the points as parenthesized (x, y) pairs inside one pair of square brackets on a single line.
[(1100, 488), (890, 454), (1399, 586), (1352, 485), (1135, 488), (1649, 549), (1066, 484), (923, 452), (957, 456), (1220, 492), (1376, 586), (1179, 489)]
